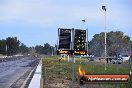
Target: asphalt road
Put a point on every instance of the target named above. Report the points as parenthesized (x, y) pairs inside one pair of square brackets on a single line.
[(13, 72)]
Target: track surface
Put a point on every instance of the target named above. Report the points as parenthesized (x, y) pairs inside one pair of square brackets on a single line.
[(14, 71)]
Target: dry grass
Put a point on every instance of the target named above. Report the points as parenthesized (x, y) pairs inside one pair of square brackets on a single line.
[(59, 73)]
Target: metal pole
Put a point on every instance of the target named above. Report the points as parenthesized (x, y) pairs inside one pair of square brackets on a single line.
[(73, 64), (73, 67), (104, 8), (6, 50), (72, 36), (52, 50), (68, 58), (58, 39), (64, 57), (80, 59), (105, 41)]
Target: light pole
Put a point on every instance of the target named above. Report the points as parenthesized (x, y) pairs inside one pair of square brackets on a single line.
[(104, 8)]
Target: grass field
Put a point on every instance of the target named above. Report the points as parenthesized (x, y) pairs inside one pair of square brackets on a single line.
[(59, 74)]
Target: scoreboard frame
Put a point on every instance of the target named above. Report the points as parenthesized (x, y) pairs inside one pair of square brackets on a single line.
[(72, 50)]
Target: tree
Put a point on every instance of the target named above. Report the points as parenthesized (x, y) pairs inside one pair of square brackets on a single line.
[(3, 46), (12, 45), (117, 43), (96, 45), (46, 49), (32, 50), (23, 49), (39, 49)]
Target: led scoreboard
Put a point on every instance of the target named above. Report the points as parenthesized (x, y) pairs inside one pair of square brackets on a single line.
[(64, 38), (80, 39), (69, 38)]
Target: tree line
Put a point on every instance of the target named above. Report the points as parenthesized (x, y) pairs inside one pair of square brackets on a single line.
[(46, 49), (12, 46), (117, 43)]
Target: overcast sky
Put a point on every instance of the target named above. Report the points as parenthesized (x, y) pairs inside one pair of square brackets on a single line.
[(36, 21)]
